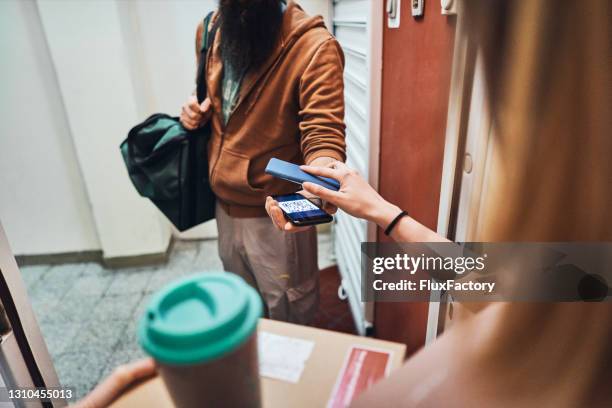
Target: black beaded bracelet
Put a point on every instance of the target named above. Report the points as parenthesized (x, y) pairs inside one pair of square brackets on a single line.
[(394, 222)]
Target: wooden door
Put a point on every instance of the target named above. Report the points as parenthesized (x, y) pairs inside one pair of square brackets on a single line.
[(417, 60)]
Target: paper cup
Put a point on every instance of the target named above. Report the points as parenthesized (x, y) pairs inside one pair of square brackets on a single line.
[(202, 333)]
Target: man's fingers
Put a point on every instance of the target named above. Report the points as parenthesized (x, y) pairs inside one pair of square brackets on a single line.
[(322, 192), (268, 204), (189, 123), (187, 111), (289, 227), (205, 106), (193, 104), (278, 217)]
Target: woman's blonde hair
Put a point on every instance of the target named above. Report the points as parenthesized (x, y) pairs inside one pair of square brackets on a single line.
[(550, 91)]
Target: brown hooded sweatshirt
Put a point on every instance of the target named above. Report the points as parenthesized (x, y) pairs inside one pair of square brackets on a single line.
[(291, 108)]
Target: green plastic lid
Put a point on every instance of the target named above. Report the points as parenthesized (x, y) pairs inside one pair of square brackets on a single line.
[(199, 318)]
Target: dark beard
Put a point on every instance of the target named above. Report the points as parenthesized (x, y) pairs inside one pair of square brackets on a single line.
[(249, 31)]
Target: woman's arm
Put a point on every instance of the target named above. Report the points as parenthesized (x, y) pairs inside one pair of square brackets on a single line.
[(359, 199)]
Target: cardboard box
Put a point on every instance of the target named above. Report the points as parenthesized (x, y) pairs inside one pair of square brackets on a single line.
[(332, 353)]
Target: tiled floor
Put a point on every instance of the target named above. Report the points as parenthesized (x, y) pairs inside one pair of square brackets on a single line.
[(88, 314)]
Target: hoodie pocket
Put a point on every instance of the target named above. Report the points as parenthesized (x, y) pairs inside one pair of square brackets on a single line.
[(231, 177)]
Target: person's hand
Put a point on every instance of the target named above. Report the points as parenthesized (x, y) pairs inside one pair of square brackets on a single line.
[(279, 220), (111, 388), (193, 114), (355, 196)]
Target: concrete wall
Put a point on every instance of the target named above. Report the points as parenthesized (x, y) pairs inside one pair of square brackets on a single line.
[(76, 76), (43, 202)]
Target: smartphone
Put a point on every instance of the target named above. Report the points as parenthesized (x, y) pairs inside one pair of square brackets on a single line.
[(292, 172), (301, 211)]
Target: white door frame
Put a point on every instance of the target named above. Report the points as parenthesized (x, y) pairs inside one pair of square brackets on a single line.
[(458, 117), (24, 357), (375, 26)]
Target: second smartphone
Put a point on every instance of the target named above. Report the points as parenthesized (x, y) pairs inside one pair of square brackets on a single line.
[(300, 211)]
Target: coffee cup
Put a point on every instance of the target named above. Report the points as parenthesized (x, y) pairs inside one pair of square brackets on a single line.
[(202, 333)]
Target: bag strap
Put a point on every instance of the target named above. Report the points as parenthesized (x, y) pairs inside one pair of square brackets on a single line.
[(207, 40), (207, 37)]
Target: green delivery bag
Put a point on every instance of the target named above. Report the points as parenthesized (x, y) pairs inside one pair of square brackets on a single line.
[(168, 164)]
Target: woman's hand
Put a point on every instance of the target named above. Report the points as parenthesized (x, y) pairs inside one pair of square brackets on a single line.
[(279, 220), (355, 196), (112, 387), (193, 114)]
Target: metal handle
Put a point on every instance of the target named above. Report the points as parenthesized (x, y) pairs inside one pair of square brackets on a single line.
[(392, 8)]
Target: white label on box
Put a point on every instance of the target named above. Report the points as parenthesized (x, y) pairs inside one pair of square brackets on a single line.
[(281, 357)]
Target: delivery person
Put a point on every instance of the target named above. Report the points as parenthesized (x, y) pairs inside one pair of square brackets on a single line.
[(275, 87)]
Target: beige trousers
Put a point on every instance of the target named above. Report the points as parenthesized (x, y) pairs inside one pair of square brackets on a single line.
[(281, 266)]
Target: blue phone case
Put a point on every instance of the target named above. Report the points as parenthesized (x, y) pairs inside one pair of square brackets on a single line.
[(292, 172)]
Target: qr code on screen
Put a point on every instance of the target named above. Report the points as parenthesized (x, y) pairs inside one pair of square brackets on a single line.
[(297, 206)]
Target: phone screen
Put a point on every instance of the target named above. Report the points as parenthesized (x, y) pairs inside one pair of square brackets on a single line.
[(300, 210)]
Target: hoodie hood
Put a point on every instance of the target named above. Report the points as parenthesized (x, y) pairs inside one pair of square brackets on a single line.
[(295, 23)]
